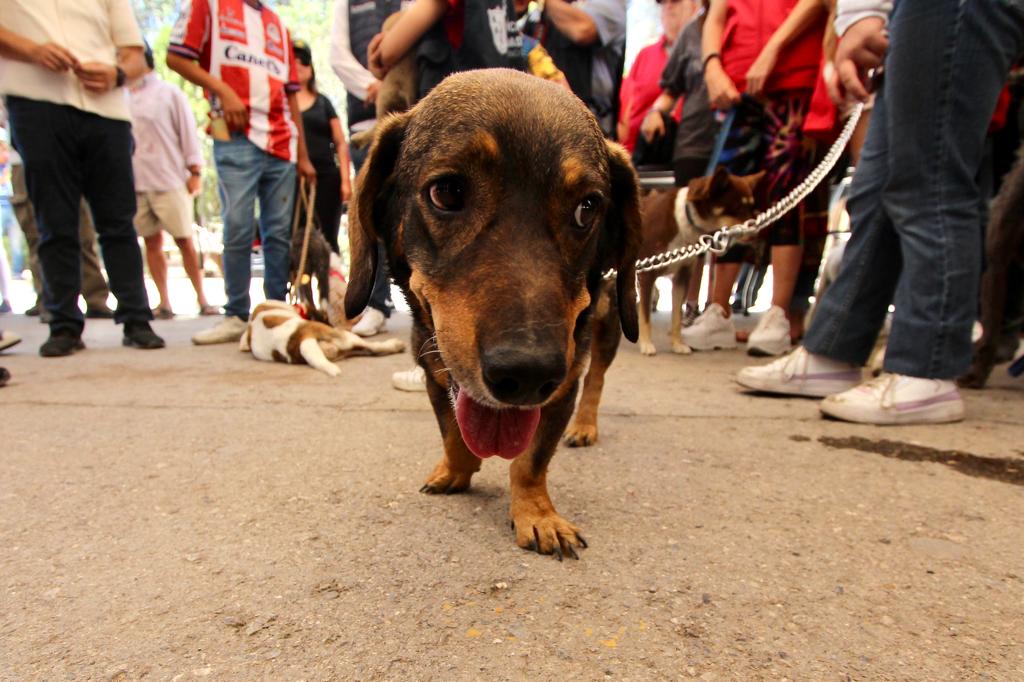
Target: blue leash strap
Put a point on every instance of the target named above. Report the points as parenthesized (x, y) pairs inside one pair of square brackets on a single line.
[(723, 135)]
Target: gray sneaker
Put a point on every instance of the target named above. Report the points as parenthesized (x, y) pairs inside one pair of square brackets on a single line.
[(228, 330)]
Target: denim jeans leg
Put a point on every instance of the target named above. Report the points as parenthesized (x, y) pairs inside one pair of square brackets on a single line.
[(109, 187), (850, 314), (239, 166), (277, 201), (947, 63)]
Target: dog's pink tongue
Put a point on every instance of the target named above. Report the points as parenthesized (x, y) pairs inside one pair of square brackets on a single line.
[(488, 432)]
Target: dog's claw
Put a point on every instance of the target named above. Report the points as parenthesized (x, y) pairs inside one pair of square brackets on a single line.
[(425, 489), (582, 541), (572, 553), (558, 552)]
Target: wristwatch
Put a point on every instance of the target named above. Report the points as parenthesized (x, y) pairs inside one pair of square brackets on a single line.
[(121, 77)]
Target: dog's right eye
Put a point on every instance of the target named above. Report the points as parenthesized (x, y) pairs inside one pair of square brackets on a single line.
[(586, 212), (448, 194)]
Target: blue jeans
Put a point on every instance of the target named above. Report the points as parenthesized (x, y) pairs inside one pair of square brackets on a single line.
[(914, 200), (9, 226), (245, 172)]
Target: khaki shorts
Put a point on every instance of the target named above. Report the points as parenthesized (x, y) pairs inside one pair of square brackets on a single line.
[(171, 211)]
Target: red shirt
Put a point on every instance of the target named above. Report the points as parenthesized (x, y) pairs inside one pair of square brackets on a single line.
[(748, 26), (244, 44), (640, 89)]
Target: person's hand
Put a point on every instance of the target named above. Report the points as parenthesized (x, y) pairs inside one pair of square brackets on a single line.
[(372, 90), (722, 91), (653, 126), (346, 188), (861, 49), (761, 69), (97, 77), (306, 170), (236, 115), (53, 57), (194, 184), (374, 57)]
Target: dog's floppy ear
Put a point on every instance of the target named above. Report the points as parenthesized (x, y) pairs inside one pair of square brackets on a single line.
[(362, 233), (623, 226)]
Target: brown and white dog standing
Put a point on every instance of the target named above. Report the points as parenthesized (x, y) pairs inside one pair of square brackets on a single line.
[(677, 218), (278, 333), (500, 206)]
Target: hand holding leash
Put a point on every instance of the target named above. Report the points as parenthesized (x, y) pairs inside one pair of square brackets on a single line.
[(861, 49)]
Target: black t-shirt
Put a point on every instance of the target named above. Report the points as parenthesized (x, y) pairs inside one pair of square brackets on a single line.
[(316, 121)]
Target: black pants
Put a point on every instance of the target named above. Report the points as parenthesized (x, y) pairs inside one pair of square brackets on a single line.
[(328, 205), (69, 153)]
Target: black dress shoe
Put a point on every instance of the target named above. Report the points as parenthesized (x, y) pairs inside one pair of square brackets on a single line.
[(138, 334), (61, 342), (5, 376), (103, 313), (33, 311)]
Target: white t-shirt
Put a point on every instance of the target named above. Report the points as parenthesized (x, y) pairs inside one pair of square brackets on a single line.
[(91, 29)]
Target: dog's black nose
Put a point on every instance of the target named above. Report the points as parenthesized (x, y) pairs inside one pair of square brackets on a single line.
[(521, 376)]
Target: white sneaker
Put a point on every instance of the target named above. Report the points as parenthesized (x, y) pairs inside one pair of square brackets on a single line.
[(413, 380), (228, 330), (711, 330), (898, 399), (801, 373), (771, 335), (371, 323)]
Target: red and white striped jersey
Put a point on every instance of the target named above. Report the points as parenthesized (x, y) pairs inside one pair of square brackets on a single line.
[(244, 44)]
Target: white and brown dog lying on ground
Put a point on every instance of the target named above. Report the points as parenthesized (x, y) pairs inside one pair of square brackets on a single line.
[(677, 218), (278, 333)]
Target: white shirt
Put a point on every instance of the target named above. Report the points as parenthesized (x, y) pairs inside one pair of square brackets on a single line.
[(91, 29), (353, 75), (849, 12)]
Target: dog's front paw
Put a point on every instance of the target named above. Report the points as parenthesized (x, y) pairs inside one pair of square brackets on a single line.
[(581, 435), (976, 377), (680, 348), (647, 348), (444, 481), (332, 370), (545, 532)]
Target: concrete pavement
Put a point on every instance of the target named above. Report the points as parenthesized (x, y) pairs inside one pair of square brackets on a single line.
[(192, 513)]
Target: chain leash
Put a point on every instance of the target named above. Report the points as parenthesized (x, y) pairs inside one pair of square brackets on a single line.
[(720, 241)]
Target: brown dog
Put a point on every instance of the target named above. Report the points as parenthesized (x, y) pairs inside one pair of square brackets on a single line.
[(1004, 247), (397, 90), (678, 218), (500, 205)]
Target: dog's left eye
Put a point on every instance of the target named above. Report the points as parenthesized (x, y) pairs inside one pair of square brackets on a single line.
[(448, 194), (586, 212)]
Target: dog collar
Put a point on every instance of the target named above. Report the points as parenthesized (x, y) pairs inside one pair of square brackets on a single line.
[(337, 273), (689, 216), (301, 310)]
